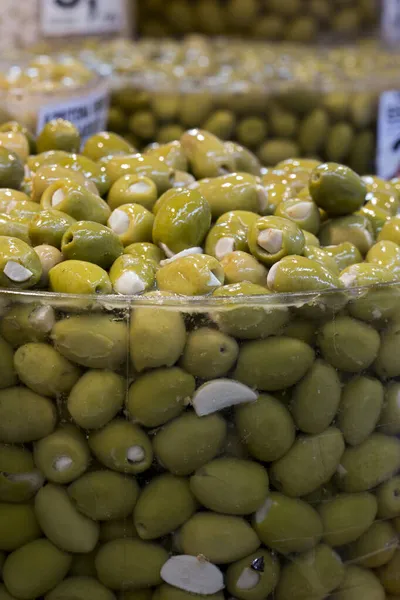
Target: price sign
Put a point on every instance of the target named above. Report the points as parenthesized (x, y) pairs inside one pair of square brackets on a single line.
[(391, 21), (82, 17), (388, 142), (88, 113)]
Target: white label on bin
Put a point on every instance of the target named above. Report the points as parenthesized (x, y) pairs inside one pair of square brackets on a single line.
[(82, 17), (390, 23), (88, 113), (388, 142)]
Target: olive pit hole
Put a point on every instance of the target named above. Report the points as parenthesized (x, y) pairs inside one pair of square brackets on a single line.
[(69, 237)]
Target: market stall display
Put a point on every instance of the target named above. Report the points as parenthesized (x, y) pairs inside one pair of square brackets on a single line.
[(198, 372)]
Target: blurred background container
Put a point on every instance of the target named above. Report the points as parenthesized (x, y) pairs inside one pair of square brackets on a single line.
[(290, 20)]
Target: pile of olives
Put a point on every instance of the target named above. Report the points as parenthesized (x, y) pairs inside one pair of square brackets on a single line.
[(281, 104), (46, 73), (295, 20), (199, 373)]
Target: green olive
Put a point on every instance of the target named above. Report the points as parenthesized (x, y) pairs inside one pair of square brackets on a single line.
[(122, 446), (131, 275), (104, 144), (304, 214), (171, 388), (74, 162), (344, 254), (232, 192), (63, 455), (273, 364), (355, 229), (249, 322), (137, 164), (337, 189), (287, 524), (44, 370), (164, 505), (229, 233), (20, 266), (58, 135), (182, 221), (131, 223), (133, 189), (222, 538), (310, 463), (272, 238), (11, 169), (79, 277), (76, 201), (193, 275), (35, 569), (48, 227), (91, 242), (189, 442), (206, 154), (241, 266), (312, 574), (301, 274), (171, 154)]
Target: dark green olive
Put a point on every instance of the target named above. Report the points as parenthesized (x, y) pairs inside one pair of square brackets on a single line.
[(337, 189)]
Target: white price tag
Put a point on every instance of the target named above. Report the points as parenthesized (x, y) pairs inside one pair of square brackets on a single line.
[(82, 17), (88, 113), (391, 21), (388, 142)]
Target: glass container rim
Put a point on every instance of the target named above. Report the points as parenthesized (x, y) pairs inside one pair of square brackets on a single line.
[(94, 83), (174, 301)]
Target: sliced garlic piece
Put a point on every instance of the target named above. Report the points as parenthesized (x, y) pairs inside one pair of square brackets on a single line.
[(119, 222), (62, 464), (135, 454), (270, 240), (271, 276), (187, 252), (57, 197), (168, 253), (16, 272), (193, 574), (248, 579), (224, 246), (129, 283), (140, 187), (301, 210), (34, 478), (218, 394), (43, 318), (262, 194), (263, 511), (349, 278), (213, 281)]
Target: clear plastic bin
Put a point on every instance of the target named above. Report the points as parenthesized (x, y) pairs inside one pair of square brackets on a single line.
[(291, 20), (170, 447), (279, 102), (36, 90)]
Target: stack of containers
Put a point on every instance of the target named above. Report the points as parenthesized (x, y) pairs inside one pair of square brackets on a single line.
[(281, 101)]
